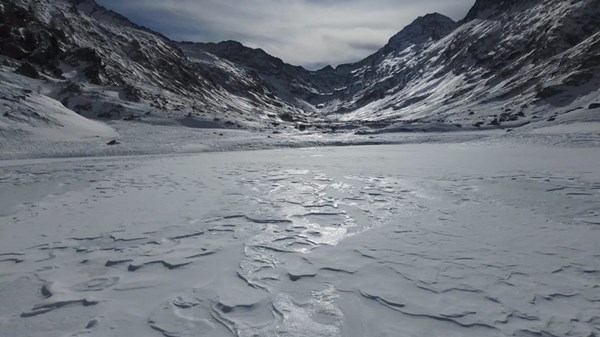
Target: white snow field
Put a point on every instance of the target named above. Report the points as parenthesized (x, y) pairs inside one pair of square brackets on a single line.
[(465, 239)]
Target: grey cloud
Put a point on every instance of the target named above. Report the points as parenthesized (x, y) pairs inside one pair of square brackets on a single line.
[(305, 32)]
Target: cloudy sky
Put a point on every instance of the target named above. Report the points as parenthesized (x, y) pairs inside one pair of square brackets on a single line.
[(312, 33)]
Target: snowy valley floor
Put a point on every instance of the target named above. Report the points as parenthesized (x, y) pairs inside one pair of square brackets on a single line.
[(167, 137), (470, 237)]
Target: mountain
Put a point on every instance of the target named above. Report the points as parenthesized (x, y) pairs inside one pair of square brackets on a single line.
[(294, 84), (506, 64), (506, 61), (430, 27), (101, 65), (319, 91)]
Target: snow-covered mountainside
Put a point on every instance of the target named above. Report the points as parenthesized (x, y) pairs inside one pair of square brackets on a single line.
[(294, 84), (100, 65), (506, 63), (131, 204)]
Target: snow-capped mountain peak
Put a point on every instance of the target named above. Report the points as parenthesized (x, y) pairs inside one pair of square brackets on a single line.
[(507, 63), (429, 27)]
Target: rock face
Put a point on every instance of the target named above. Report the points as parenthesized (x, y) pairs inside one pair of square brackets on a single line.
[(506, 61), (27, 69), (489, 9), (79, 43)]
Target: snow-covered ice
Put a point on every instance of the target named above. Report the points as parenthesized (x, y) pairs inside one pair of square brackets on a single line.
[(463, 239)]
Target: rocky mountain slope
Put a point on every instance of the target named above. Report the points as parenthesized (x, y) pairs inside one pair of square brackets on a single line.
[(101, 65), (507, 63)]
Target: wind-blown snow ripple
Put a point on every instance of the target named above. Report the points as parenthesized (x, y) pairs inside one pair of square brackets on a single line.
[(372, 241)]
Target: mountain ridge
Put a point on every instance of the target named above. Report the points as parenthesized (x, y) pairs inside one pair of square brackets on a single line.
[(494, 42), (104, 66), (505, 64)]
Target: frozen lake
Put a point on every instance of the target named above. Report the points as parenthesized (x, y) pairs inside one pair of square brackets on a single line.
[(391, 240)]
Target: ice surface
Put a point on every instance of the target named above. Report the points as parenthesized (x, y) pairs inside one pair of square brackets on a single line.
[(475, 239)]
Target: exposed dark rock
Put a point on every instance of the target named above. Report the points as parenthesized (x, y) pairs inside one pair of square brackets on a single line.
[(5, 31), (94, 74), (550, 91), (13, 50), (27, 69), (132, 93), (86, 54), (72, 88), (286, 117), (53, 70), (131, 118)]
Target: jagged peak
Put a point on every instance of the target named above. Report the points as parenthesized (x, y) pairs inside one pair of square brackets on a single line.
[(223, 45), (327, 68), (99, 12), (435, 16), (230, 46), (238, 52), (232, 43), (431, 26)]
